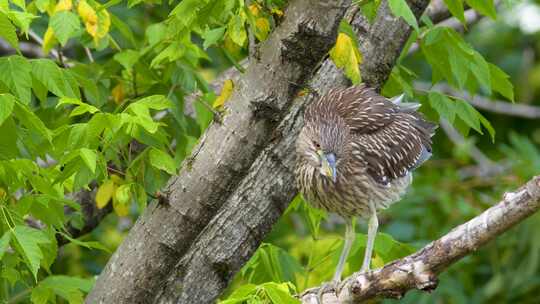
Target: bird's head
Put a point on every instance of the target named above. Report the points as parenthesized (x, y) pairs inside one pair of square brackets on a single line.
[(324, 145)]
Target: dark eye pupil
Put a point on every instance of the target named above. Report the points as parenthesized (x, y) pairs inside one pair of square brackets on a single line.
[(317, 144)]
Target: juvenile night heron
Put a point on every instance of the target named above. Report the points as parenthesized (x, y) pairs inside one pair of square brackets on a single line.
[(355, 156)]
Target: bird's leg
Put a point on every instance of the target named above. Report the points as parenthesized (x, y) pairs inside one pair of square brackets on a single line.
[(373, 224), (333, 285), (349, 238)]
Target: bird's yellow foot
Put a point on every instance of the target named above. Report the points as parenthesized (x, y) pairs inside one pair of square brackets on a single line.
[(326, 287)]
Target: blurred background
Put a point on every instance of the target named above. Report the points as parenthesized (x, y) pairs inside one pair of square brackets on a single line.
[(464, 177)]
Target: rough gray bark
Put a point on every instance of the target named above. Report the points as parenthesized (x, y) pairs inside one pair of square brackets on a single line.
[(248, 214), (419, 270), (164, 233)]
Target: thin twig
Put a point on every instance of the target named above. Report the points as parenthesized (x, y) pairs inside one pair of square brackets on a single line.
[(37, 38), (89, 54)]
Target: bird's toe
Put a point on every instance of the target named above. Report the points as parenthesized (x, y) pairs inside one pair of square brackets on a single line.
[(327, 287)]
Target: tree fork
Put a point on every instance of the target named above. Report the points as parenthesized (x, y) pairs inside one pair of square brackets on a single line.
[(164, 233)]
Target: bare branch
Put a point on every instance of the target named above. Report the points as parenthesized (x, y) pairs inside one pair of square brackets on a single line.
[(39, 40), (437, 11), (486, 166), (420, 270)]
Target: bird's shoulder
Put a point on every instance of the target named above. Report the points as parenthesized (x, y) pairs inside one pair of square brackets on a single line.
[(362, 109)]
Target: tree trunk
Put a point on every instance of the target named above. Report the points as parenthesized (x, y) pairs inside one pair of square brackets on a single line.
[(162, 236)]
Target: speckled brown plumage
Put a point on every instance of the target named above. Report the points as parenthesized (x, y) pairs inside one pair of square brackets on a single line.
[(355, 155), (376, 143)]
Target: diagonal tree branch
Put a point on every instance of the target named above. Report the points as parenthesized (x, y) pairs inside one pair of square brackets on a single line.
[(164, 233), (419, 270), (248, 214)]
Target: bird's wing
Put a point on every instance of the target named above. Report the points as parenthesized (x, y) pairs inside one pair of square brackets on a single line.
[(395, 149), (361, 107)]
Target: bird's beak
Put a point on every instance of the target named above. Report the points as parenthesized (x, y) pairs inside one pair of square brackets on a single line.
[(328, 164)]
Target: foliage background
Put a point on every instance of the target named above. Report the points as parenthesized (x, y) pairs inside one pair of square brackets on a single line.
[(106, 112)]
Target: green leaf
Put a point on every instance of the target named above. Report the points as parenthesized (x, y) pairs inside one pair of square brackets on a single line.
[(162, 161), (240, 295), (69, 288), (22, 20), (81, 108), (460, 67), (31, 121), (468, 114), (400, 8), (213, 36), (4, 243), (20, 3), (279, 293), (186, 12), (65, 25), (369, 9), (500, 82), (41, 295), (28, 241), (443, 105), (155, 33), (485, 7), (8, 32), (456, 8), (16, 76), (123, 28), (123, 194), (236, 30), (127, 58), (480, 69), (59, 81), (488, 126), (7, 101), (89, 157), (89, 245)]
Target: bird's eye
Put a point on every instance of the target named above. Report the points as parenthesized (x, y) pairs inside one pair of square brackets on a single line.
[(317, 145)]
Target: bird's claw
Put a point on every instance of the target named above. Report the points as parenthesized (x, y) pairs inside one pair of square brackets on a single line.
[(326, 287)]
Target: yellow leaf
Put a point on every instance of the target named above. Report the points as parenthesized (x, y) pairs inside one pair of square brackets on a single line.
[(121, 197), (89, 17), (346, 55), (233, 48), (119, 208), (117, 179), (263, 28), (118, 93), (63, 5), (277, 12), (49, 40), (254, 9), (2, 193), (104, 24), (105, 193), (226, 92)]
